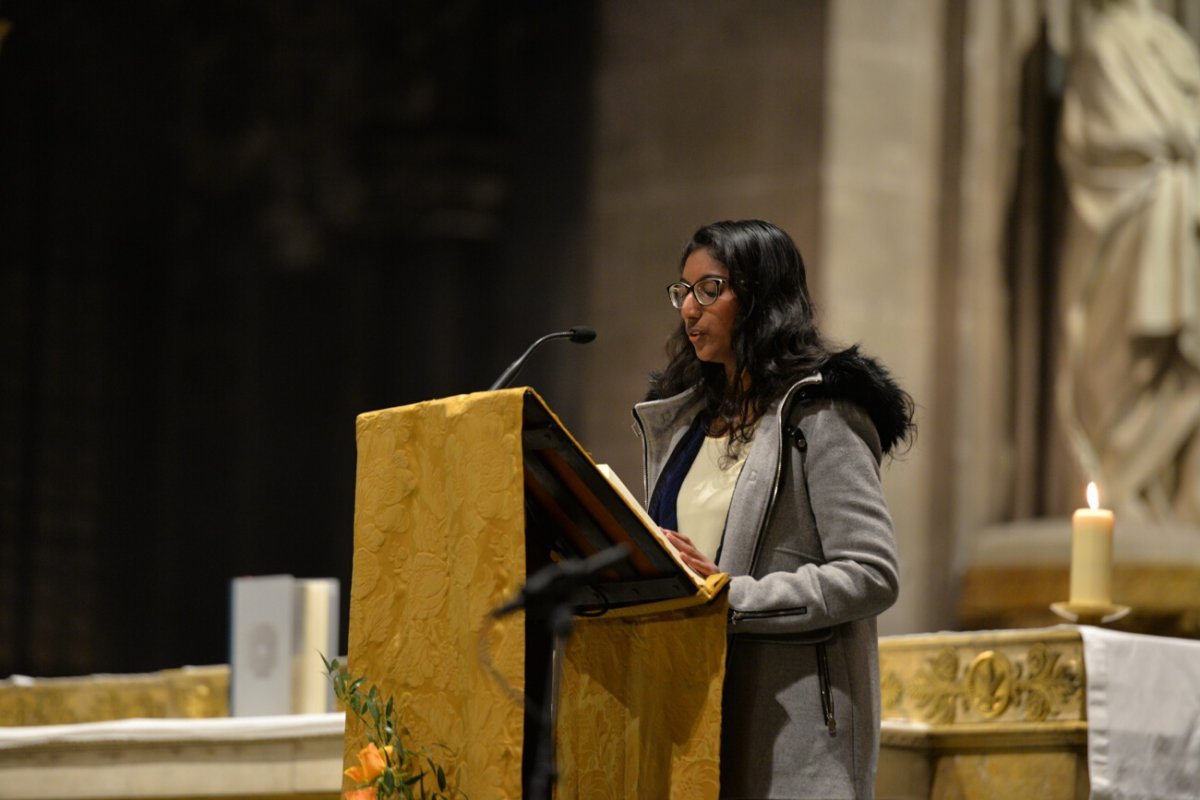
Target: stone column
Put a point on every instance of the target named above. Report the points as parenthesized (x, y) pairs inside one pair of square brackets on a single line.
[(880, 223)]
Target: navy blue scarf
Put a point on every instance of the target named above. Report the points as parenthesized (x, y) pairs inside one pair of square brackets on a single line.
[(663, 501)]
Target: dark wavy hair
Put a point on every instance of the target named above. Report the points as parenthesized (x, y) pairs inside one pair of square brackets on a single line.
[(775, 336)]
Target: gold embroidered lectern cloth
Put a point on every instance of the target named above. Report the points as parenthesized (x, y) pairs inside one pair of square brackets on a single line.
[(641, 710), (439, 541)]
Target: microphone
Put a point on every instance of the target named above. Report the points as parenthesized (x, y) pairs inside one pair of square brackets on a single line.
[(580, 334), (555, 582)]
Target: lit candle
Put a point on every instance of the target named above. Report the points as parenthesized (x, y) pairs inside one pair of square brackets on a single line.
[(1091, 553)]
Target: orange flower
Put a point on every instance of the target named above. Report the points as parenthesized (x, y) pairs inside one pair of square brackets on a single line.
[(360, 794), (372, 762)]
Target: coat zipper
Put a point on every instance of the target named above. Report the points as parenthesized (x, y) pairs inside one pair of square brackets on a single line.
[(645, 457), (826, 689), (783, 407), (738, 616)]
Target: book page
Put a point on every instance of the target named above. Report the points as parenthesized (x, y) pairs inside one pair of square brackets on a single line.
[(623, 490)]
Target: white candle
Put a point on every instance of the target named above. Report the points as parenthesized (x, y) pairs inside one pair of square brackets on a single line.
[(315, 636), (1091, 553)]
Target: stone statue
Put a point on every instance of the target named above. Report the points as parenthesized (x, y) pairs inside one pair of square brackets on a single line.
[(1128, 384)]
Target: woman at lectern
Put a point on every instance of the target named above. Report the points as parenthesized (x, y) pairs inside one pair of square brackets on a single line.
[(763, 447)]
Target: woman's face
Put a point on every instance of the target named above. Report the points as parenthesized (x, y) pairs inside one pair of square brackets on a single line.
[(710, 328)]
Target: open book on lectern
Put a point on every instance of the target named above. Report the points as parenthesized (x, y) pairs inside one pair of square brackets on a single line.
[(575, 508)]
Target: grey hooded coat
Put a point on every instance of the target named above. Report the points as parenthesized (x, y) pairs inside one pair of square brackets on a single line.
[(810, 548)]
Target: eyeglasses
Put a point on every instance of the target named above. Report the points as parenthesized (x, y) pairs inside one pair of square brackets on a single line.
[(706, 291)]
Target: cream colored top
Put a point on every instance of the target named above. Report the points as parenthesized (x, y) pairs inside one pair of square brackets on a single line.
[(705, 493)]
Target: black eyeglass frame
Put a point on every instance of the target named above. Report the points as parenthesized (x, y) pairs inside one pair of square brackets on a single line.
[(690, 288)]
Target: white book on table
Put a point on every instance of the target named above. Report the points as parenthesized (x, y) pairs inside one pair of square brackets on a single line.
[(281, 628)]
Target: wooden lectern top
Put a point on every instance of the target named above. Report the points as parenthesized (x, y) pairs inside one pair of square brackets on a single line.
[(575, 508)]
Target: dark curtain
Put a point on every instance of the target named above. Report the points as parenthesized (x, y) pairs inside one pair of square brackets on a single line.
[(227, 228)]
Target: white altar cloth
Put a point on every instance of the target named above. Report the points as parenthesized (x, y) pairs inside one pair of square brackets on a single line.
[(1143, 705), (293, 756), (215, 729)]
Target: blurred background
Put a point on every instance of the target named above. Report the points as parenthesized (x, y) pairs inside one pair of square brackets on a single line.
[(226, 228)]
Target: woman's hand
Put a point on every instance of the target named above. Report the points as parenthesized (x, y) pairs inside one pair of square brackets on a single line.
[(691, 556)]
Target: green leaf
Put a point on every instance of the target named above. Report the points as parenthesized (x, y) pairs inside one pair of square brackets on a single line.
[(377, 714)]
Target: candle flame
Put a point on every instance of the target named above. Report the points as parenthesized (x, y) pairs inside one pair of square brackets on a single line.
[(1093, 496)]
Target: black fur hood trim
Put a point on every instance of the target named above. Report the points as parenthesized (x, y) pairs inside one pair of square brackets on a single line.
[(850, 375)]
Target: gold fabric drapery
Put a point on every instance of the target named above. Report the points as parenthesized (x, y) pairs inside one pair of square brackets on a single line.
[(641, 710), (439, 541)]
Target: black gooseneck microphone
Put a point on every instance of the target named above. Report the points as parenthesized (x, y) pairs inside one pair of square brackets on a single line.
[(581, 334)]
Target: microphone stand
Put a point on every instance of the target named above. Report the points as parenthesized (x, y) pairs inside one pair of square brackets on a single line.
[(558, 623), (547, 598), (580, 334)]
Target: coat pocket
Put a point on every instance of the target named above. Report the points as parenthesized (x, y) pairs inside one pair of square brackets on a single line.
[(781, 558), (817, 640)]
